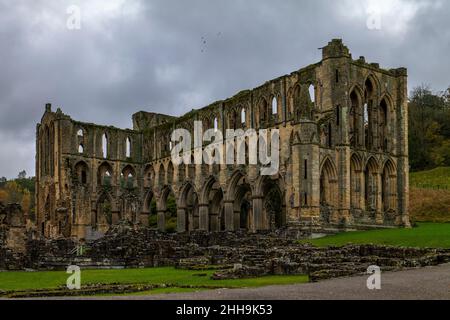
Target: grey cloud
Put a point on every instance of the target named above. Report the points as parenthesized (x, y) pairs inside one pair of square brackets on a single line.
[(172, 56)]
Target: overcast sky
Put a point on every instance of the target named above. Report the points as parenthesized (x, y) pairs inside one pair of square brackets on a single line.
[(173, 56)]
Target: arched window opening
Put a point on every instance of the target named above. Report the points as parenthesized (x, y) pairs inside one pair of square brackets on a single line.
[(107, 178), (216, 124), (312, 93), (81, 149), (104, 146), (128, 148), (274, 106), (80, 133), (81, 170), (366, 125), (243, 120), (366, 114), (127, 177)]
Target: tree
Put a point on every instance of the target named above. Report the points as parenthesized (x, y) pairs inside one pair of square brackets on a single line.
[(22, 174), (3, 196), (429, 129)]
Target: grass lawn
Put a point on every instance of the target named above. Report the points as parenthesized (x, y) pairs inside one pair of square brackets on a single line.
[(433, 235), (438, 178), (14, 281)]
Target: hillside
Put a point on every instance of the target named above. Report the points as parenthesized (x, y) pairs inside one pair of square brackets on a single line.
[(430, 195)]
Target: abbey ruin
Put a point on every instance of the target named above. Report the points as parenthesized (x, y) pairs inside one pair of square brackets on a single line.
[(343, 160)]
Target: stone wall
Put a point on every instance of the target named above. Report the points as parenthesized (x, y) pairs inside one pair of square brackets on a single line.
[(233, 255)]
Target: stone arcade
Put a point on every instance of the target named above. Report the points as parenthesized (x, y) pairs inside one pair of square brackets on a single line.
[(343, 149)]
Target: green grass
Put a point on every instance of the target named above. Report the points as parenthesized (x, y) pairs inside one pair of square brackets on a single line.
[(15, 281), (433, 235), (438, 178)]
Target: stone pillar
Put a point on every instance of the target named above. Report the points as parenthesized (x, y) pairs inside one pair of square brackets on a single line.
[(315, 181), (161, 220), (203, 213), (229, 216), (344, 184), (143, 218), (258, 212), (181, 220), (403, 162), (294, 197), (214, 222), (379, 213)]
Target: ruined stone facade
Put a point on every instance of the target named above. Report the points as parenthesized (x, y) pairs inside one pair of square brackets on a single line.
[(343, 159)]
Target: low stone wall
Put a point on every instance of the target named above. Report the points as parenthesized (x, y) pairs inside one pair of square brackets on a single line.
[(234, 255)]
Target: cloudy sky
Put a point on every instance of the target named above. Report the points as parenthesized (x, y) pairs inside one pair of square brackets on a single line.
[(173, 56)]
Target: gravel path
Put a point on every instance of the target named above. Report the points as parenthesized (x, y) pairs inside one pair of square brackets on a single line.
[(423, 284)]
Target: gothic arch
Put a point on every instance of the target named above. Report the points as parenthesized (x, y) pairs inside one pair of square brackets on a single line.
[(389, 188), (188, 208), (128, 177), (328, 183), (356, 116), (371, 186), (161, 175), (82, 173), (270, 189), (149, 176), (105, 174), (356, 181)]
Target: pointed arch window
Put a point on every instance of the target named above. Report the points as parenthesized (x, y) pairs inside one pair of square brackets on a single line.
[(216, 124), (312, 93), (128, 148), (274, 106), (105, 145)]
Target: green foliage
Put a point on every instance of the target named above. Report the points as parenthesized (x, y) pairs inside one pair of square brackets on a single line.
[(433, 235), (20, 190), (429, 129), (177, 277)]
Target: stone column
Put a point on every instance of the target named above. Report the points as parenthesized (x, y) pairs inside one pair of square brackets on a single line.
[(214, 222), (258, 212), (403, 162), (143, 218), (344, 183), (229, 216), (181, 220), (379, 213), (161, 220), (203, 212)]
